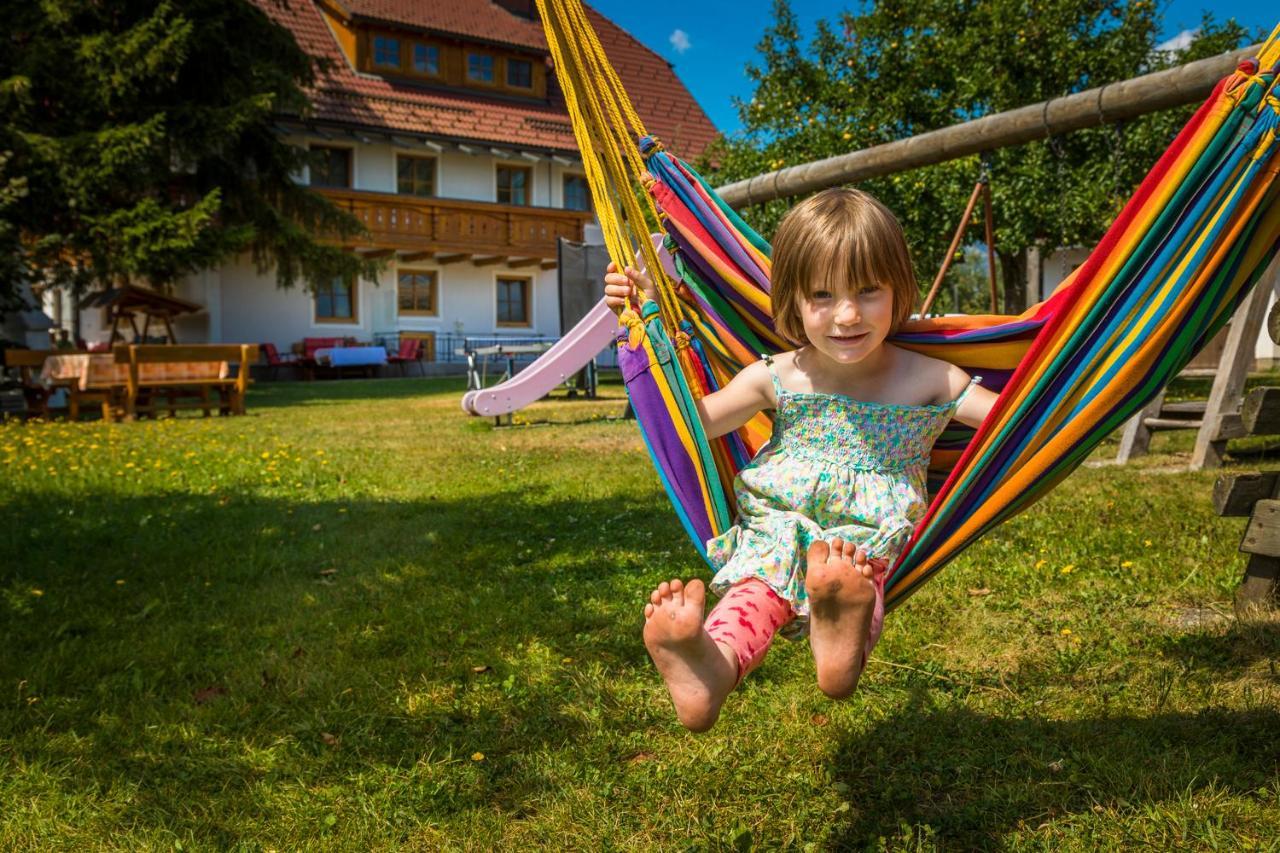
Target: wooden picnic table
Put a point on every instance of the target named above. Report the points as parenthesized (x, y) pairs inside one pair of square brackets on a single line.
[(130, 379)]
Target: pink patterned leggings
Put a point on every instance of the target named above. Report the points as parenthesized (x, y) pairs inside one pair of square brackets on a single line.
[(750, 614), (746, 619)]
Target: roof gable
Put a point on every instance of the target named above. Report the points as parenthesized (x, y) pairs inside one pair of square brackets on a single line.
[(343, 95)]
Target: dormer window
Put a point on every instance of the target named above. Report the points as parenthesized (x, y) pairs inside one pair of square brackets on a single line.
[(426, 59), (519, 74), (479, 67), (386, 52)]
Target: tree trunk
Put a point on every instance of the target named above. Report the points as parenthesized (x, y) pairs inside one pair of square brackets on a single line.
[(1013, 279)]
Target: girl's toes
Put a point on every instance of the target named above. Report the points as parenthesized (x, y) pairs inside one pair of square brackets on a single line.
[(655, 597), (837, 550), (664, 589), (818, 551), (677, 592), (648, 611)]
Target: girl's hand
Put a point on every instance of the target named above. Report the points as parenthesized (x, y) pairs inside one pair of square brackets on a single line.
[(619, 286)]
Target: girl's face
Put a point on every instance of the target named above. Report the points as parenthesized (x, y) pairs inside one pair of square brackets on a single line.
[(845, 324)]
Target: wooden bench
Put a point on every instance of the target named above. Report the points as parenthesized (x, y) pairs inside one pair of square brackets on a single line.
[(1253, 495), (146, 384), (28, 363)]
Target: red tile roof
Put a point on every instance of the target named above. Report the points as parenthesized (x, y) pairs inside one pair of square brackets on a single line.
[(481, 19), (343, 95)]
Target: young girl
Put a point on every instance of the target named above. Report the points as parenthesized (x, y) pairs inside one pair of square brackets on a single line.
[(830, 501)]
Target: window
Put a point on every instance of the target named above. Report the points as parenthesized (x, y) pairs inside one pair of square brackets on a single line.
[(519, 74), (417, 293), (330, 167), (386, 52), (426, 59), (577, 195), (514, 184), (513, 301), (480, 67), (336, 299), (416, 175)]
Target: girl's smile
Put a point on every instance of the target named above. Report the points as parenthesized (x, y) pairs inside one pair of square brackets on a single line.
[(847, 324)]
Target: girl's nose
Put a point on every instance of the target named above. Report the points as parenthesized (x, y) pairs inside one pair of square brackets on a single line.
[(847, 314)]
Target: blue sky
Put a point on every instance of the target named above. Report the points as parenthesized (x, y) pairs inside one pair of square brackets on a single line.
[(711, 43)]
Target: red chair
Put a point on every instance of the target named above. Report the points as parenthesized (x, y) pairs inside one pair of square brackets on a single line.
[(275, 360), (410, 350)]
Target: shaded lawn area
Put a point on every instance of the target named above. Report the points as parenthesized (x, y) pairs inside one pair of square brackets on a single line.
[(358, 619)]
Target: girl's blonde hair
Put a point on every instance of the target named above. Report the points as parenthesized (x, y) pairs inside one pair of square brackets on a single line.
[(838, 236)]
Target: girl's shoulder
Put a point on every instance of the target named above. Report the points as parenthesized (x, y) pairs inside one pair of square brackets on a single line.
[(941, 381)]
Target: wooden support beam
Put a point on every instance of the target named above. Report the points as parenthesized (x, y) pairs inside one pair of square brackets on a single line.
[(1260, 411), (548, 265), (452, 257), (1262, 536), (377, 254), (1235, 494), (487, 260), (516, 263), (1260, 584), (415, 257), (1228, 386), (1125, 99)]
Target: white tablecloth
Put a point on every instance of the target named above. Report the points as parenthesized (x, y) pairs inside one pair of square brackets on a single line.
[(352, 356)]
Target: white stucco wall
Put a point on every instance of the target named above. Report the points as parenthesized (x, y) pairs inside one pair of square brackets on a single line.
[(244, 305)]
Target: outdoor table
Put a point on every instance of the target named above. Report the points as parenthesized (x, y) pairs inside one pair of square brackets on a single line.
[(352, 356), (366, 358), (97, 376)]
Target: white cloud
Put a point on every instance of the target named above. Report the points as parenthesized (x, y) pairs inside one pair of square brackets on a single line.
[(1178, 42), (680, 41)]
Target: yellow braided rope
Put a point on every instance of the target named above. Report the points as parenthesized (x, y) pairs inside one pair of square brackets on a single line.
[(607, 130)]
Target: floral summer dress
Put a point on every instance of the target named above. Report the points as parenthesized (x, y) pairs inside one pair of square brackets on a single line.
[(834, 467)]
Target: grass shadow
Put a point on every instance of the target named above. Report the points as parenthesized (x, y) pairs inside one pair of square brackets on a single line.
[(192, 646), (964, 778)]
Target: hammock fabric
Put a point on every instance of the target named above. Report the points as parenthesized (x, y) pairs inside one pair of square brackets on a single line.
[(1197, 234)]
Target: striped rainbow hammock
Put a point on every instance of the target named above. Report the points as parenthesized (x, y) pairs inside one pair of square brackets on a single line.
[(1197, 234)]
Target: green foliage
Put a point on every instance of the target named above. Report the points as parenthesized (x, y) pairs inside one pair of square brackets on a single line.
[(358, 620), (143, 132), (896, 69)]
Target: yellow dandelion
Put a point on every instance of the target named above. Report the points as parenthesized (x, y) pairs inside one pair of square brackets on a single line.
[(1066, 632), (1067, 569), (1041, 563), (119, 581), (1146, 542), (37, 592), (477, 756), (1126, 564)]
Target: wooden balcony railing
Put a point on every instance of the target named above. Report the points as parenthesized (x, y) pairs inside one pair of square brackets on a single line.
[(446, 226)]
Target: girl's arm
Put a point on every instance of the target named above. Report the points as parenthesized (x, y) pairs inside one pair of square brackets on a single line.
[(976, 404), (725, 410), (733, 405)]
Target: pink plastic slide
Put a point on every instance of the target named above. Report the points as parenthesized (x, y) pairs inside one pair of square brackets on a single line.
[(571, 353)]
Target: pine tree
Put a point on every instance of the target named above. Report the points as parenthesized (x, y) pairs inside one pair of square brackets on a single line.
[(142, 134)]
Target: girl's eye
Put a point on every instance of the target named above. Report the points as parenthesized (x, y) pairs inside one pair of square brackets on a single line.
[(868, 290), (820, 294)]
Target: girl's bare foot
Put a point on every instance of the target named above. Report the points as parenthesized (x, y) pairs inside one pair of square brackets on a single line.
[(841, 602), (699, 672)]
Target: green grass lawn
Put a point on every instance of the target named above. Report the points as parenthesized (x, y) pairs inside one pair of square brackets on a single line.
[(358, 619)]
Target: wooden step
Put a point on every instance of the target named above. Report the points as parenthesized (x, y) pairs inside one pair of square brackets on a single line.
[(1171, 423), (1190, 407)]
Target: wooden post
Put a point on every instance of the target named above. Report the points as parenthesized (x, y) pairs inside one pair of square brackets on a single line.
[(131, 392), (1136, 439), (1228, 385)]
